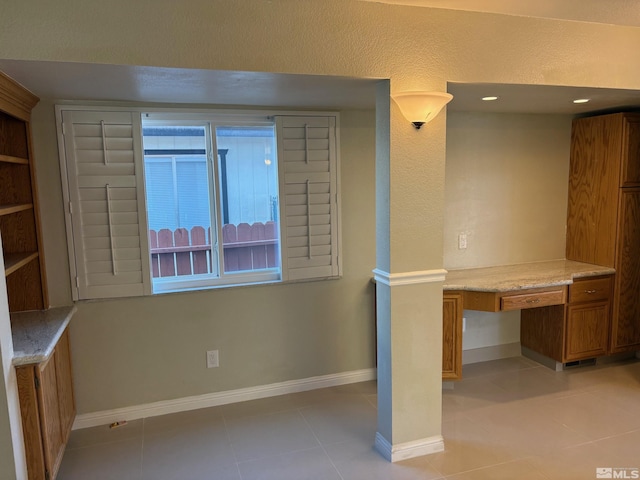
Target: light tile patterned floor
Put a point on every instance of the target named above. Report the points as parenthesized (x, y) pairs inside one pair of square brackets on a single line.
[(508, 419)]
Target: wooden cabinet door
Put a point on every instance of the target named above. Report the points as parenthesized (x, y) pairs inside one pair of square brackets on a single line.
[(594, 181), (49, 407), (29, 411), (625, 331), (631, 154), (64, 378), (452, 336), (587, 330)]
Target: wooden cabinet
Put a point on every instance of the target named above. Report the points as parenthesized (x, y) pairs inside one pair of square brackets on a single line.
[(625, 328), (452, 335), (572, 332), (19, 223), (48, 410), (587, 319), (603, 215)]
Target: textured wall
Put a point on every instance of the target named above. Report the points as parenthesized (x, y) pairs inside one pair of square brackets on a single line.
[(140, 350), (415, 48), (506, 187)]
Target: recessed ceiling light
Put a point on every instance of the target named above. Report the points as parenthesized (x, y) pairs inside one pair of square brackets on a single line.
[(581, 100), (488, 99)]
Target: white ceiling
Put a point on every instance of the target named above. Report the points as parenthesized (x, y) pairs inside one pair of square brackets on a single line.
[(120, 83), (82, 81), (615, 12), (539, 98)]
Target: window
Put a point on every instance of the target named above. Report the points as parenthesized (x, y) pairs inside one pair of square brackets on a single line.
[(210, 222), (167, 201)]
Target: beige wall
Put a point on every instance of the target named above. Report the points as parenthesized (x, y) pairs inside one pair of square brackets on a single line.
[(133, 351), (506, 185), (140, 350)]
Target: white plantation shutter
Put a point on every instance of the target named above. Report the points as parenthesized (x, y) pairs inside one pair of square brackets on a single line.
[(108, 244), (308, 172)]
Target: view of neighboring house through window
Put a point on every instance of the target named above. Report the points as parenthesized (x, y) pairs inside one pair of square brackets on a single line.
[(212, 218)]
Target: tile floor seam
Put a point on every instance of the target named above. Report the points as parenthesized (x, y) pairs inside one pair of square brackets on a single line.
[(622, 408), (233, 450), (471, 470), (281, 455), (142, 454), (321, 444), (240, 477), (99, 444), (264, 457), (591, 440), (474, 377)]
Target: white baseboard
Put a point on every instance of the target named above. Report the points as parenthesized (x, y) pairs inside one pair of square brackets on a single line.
[(405, 451), (221, 398), (494, 352)]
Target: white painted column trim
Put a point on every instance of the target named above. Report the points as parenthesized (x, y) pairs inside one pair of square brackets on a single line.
[(407, 450), (409, 278)]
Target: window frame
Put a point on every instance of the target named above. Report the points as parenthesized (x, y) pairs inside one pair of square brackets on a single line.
[(218, 277)]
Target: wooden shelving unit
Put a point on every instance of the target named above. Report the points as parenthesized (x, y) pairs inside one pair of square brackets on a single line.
[(19, 221)]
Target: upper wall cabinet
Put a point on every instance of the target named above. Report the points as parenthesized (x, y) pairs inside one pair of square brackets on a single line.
[(603, 214), (19, 222)]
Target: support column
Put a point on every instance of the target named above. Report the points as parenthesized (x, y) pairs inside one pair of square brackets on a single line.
[(409, 275)]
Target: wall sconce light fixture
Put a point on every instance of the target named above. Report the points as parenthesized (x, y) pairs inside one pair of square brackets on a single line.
[(421, 107)]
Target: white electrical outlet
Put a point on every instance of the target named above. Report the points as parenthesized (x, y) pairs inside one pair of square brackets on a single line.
[(213, 360), (462, 241), (464, 324)]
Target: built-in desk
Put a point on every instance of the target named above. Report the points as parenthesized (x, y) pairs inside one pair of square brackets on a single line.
[(565, 308)]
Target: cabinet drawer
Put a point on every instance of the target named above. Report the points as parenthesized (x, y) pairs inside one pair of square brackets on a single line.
[(590, 290), (533, 300)]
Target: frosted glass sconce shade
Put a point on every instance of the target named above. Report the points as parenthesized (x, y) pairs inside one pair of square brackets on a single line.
[(421, 107)]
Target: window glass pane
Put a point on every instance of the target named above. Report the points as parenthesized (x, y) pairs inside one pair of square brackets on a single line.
[(249, 197), (161, 203), (193, 192), (178, 201)]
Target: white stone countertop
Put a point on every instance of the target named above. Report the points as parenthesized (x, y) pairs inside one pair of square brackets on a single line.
[(509, 278), (36, 333)]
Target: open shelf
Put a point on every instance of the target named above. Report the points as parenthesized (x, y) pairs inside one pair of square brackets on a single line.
[(10, 159), (15, 261), (14, 208), (19, 221)]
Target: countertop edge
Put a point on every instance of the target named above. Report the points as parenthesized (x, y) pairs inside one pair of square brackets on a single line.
[(515, 283), (58, 324), (516, 288)]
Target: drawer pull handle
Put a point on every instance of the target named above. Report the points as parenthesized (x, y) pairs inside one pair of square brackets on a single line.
[(589, 292), (537, 300)]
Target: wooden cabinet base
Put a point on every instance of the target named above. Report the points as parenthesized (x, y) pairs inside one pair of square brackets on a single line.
[(452, 336), (47, 409), (577, 331)]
